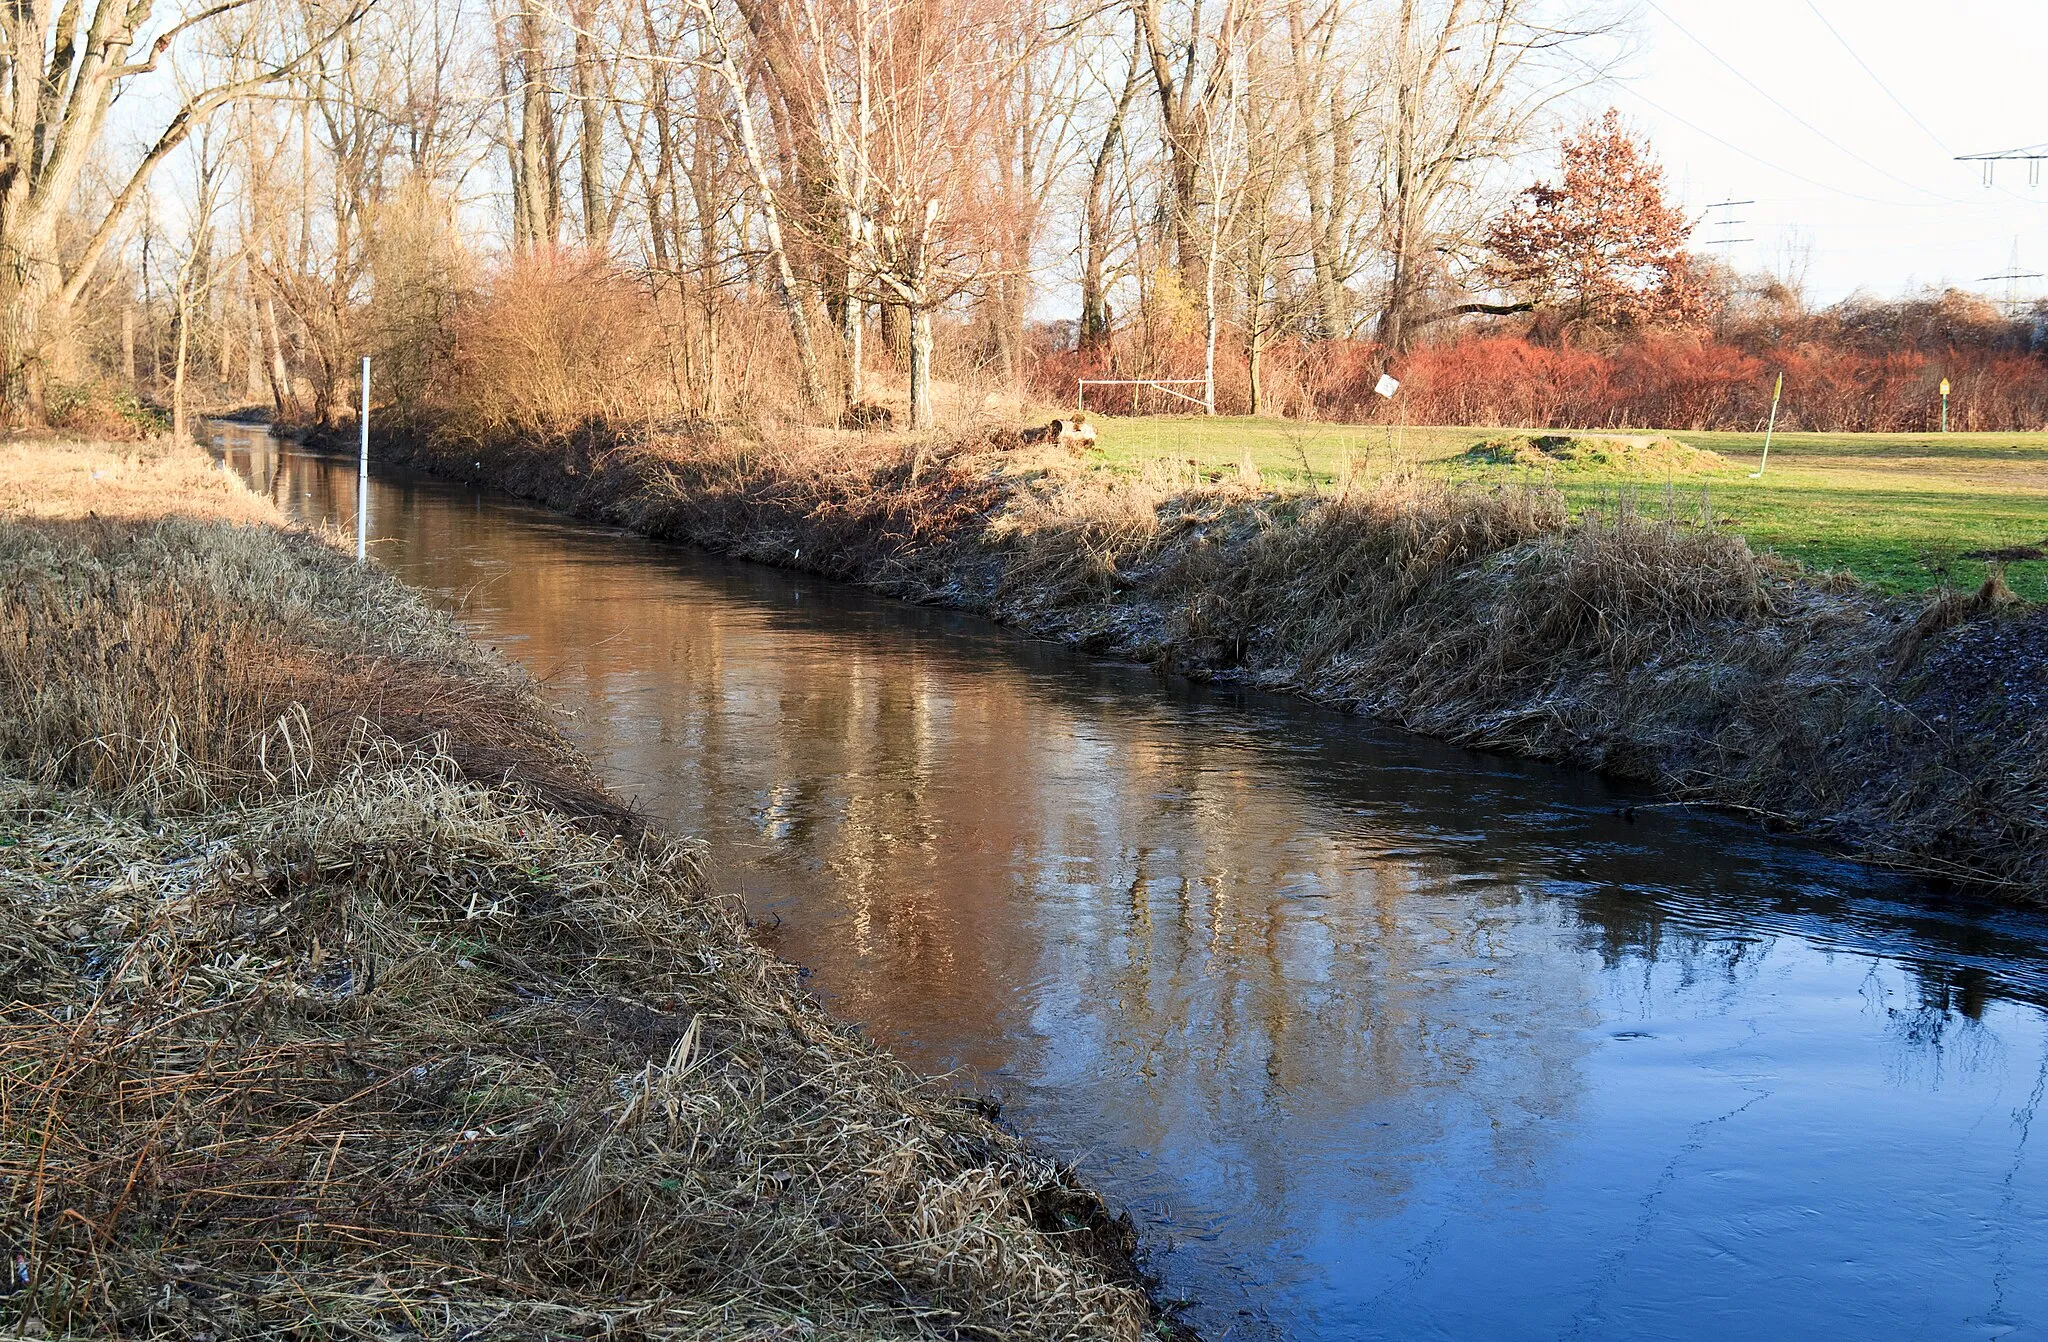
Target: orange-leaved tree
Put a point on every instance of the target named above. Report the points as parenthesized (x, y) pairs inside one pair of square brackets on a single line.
[(1601, 249)]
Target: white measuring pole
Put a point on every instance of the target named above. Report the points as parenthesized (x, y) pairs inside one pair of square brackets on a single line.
[(1770, 428), (363, 473)]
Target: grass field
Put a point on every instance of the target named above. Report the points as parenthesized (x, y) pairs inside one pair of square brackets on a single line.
[(1897, 510)]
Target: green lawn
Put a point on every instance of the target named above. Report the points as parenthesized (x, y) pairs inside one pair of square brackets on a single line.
[(1897, 510)]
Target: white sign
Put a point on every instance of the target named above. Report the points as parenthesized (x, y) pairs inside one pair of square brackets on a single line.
[(1387, 387)]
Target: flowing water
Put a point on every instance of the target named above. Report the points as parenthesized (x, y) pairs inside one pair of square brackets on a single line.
[(1376, 1038)]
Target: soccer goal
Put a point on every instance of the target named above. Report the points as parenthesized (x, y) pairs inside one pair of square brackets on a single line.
[(1163, 385)]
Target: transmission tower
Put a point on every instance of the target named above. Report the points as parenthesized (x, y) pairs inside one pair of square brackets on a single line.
[(1729, 223), (2012, 277), (2033, 156)]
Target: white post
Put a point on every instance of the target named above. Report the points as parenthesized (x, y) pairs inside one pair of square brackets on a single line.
[(1770, 428), (363, 473)]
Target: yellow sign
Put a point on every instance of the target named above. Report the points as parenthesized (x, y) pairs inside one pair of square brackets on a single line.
[(1944, 386)]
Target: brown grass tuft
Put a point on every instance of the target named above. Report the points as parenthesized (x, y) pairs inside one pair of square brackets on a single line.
[(61, 480), (186, 664), (407, 1056)]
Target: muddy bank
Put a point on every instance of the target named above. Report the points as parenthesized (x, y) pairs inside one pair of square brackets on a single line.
[(341, 998), (1909, 732)]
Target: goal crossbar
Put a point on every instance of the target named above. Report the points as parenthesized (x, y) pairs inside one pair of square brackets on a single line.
[(1166, 385)]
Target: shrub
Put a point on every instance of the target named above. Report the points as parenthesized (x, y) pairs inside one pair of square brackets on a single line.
[(96, 409), (1661, 381), (554, 341)]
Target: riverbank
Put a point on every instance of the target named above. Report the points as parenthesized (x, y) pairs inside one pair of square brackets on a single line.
[(1906, 729), (342, 999)]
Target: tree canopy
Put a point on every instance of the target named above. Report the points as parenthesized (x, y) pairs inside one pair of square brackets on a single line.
[(1601, 248)]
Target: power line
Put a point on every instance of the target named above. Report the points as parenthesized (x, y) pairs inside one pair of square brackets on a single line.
[(1603, 77), (1900, 103), (1875, 78), (1771, 98), (2024, 151), (2032, 156), (1729, 223)]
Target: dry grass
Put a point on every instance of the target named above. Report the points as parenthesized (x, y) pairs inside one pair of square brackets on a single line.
[(62, 480), (405, 1056), (180, 663), (339, 1006)]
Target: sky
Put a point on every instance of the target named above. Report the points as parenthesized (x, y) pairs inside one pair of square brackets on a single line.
[(1758, 100)]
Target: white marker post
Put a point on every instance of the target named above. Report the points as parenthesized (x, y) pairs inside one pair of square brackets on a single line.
[(1770, 428), (363, 473)]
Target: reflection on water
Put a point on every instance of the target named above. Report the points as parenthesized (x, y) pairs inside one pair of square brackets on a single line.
[(1377, 1038)]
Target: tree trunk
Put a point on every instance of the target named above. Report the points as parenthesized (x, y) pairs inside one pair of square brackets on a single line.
[(1183, 115), (709, 204), (184, 296), (896, 333), (1394, 333), (1209, 323), (286, 401), (1009, 326), (28, 307), (128, 344), (536, 171), (1095, 227), (178, 433), (851, 336), (1256, 357), (597, 212), (784, 277), (252, 384), (1255, 327), (920, 367)]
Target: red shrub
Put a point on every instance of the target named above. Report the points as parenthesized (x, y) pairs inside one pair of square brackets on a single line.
[(1654, 382)]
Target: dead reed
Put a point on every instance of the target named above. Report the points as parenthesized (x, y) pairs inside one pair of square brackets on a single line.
[(406, 1056), (65, 480), (183, 663)]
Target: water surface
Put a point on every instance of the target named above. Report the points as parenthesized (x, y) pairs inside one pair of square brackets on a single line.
[(1376, 1038)]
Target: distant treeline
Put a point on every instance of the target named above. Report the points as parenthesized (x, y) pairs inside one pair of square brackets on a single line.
[(1857, 367)]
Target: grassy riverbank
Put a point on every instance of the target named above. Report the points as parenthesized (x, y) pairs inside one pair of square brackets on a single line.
[(1493, 612), (341, 1001)]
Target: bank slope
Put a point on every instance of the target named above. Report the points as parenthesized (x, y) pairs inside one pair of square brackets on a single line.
[(1909, 731), (341, 1001)]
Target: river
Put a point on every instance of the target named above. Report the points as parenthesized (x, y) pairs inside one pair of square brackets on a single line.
[(1375, 1038)]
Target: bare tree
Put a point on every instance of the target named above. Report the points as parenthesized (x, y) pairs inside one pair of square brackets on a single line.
[(782, 273), (1467, 84), (1096, 220), (61, 70), (1267, 229), (198, 268), (1190, 74), (592, 78), (533, 136), (1332, 86), (1033, 137)]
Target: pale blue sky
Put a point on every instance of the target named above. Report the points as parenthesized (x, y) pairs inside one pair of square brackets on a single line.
[(1878, 195)]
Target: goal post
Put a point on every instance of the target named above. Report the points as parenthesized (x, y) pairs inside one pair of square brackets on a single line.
[(1165, 385)]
